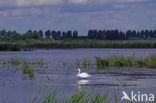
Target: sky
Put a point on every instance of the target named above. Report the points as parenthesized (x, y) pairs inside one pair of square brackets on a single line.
[(81, 15)]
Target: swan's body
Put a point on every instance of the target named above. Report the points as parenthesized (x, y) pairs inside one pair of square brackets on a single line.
[(82, 75)]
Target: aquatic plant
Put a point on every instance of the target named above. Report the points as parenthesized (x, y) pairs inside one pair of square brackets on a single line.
[(27, 70), (4, 62), (77, 63), (40, 61), (150, 61), (15, 60), (84, 62), (77, 97), (89, 62), (64, 63), (130, 61)]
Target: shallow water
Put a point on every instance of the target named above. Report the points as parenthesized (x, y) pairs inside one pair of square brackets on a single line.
[(15, 87)]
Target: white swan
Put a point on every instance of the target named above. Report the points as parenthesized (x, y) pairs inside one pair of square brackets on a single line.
[(82, 75)]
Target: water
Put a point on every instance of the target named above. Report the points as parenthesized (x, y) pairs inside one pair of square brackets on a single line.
[(15, 87)]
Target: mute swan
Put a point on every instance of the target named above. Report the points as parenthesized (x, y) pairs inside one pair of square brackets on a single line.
[(82, 75)]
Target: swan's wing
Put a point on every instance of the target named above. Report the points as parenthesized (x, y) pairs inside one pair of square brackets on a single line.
[(84, 75)]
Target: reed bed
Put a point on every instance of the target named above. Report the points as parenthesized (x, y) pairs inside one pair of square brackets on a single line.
[(77, 97), (23, 64), (118, 61), (82, 97), (15, 60), (66, 44), (126, 61), (28, 70)]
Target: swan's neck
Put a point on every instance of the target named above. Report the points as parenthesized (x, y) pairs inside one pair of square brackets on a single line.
[(79, 72)]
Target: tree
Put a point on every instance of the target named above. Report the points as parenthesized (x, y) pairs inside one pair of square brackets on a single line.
[(41, 33), (75, 34), (58, 35), (3, 32), (47, 34), (36, 35), (64, 35), (69, 34)]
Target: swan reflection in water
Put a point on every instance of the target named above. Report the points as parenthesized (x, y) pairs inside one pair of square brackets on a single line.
[(82, 82)]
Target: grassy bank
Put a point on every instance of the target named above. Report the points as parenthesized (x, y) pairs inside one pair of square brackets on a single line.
[(68, 44)]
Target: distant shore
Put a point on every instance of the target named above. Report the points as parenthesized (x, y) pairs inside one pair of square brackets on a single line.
[(27, 45)]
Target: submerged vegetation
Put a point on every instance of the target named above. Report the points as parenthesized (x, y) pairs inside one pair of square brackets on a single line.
[(77, 97), (121, 61)]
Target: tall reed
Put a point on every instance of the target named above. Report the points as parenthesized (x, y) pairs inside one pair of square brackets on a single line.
[(15, 60), (77, 97), (28, 70), (129, 61)]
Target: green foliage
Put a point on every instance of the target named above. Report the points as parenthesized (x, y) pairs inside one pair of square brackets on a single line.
[(77, 63), (131, 61), (15, 60), (84, 62), (151, 61), (77, 97), (40, 61), (31, 43), (31, 35), (27, 70)]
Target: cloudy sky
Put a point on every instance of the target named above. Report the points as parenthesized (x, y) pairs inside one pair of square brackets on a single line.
[(80, 15)]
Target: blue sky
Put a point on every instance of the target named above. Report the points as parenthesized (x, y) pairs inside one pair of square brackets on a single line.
[(81, 15)]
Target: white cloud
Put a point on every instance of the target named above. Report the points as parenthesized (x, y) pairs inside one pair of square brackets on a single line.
[(37, 2), (120, 1), (21, 3), (8, 3), (78, 1)]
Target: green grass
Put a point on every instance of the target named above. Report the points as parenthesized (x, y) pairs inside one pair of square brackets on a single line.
[(84, 62), (26, 65), (28, 70), (15, 60), (77, 63), (126, 61), (40, 61), (77, 97), (68, 44)]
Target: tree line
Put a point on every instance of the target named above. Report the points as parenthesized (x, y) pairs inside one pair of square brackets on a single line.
[(57, 35), (92, 34), (119, 35)]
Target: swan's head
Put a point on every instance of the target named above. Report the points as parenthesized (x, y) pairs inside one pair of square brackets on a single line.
[(78, 69)]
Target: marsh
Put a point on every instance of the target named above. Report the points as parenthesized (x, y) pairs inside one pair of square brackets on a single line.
[(59, 71)]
